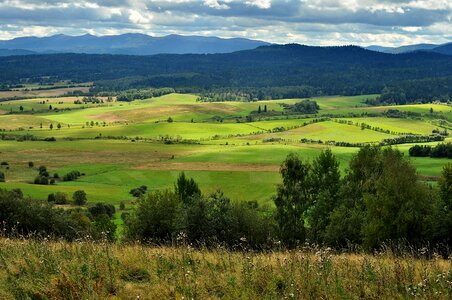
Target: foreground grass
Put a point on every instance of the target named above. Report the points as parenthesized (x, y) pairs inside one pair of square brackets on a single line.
[(84, 270)]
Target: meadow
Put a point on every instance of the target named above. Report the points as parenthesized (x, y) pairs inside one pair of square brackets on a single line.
[(122, 145), (45, 269)]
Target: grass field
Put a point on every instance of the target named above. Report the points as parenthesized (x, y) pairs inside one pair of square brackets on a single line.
[(86, 270), (54, 92), (242, 158)]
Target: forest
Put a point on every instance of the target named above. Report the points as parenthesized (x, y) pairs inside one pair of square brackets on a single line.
[(268, 72)]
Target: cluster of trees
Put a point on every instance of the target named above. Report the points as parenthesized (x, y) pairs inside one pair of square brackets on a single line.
[(131, 95), (91, 99), (138, 191), (44, 177), (29, 217), (72, 175), (184, 215), (303, 107), (78, 197), (440, 150), (380, 199)]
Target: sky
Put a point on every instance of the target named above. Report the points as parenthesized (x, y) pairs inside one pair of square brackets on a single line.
[(311, 22)]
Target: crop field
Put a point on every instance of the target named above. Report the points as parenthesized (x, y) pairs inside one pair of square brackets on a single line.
[(53, 92), (122, 145)]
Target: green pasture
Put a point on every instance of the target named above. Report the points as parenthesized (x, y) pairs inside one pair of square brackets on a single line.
[(327, 131), (244, 167), (398, 125)]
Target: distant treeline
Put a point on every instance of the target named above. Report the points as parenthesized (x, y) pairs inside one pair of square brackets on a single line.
[(379, 201), (138, 94), (300, 71), (440, 150)]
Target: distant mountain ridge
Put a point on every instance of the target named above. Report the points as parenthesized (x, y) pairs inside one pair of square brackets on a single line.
[(128, 44), (443, 49), (142, 44)]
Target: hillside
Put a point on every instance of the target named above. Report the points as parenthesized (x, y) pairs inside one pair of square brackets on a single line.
[(130, 44), (403, 49), (444, 49), (329, 70)]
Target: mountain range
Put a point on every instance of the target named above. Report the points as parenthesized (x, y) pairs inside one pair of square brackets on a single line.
[(142, 44), (129, 44), (443, 49)]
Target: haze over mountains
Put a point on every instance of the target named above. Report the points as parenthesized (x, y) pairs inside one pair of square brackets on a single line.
[(141, 44), (443, 49), (130, 44)]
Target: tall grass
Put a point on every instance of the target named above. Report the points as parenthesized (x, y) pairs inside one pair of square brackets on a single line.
[(43, 269)]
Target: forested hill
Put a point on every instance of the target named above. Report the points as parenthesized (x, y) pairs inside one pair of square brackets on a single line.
[(328, 70)]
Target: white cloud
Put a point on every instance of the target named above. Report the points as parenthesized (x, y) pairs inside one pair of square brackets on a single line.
[(317, 22), (263, 4), (215, 4)]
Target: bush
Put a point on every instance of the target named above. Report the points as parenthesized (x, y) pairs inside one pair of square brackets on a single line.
[(139, 191), (73, 175), (102, 209), (2, 177), (79, 197), (43, 171), (51, 198), (41, 180), (61, 198)]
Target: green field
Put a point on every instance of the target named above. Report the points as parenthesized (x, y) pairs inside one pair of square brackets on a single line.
[(211, 142)]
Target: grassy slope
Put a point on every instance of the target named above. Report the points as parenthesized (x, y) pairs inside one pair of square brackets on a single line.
[(84, 270), (113, 167)]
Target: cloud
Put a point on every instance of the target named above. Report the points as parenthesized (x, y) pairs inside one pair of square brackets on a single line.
[(318, 22)]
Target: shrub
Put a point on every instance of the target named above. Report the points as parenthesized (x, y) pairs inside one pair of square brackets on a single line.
[(73, 175), (102, 209), (139, 191), (41, 180), (79, 197), (61, 198)]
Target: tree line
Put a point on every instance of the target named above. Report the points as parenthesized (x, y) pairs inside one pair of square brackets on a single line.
[(439, 150)]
